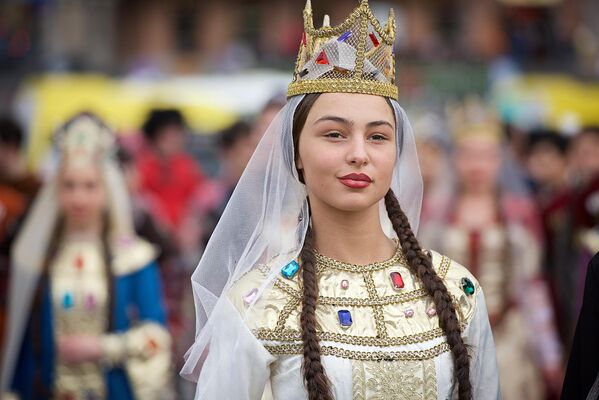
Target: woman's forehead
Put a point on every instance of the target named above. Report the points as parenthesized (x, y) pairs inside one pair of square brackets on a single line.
[(357, 108)]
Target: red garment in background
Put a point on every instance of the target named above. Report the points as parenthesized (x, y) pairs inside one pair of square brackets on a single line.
[(172, 183)]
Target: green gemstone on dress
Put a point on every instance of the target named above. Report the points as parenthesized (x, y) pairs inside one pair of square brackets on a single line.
[(467, 286)]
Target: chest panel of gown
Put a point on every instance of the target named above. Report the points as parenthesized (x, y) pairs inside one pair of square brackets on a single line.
[(486, 254), (394, 336), (79, 289)]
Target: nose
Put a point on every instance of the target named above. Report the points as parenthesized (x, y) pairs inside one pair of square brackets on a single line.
[(357, 154)]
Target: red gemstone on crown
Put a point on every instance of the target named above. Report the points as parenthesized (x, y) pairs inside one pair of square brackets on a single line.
[(374, 39), (322, 58), (304, 39), (396, 280)]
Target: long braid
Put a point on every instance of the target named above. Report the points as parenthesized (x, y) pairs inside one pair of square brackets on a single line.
[(107, 255), (317, 383), (421, 266)]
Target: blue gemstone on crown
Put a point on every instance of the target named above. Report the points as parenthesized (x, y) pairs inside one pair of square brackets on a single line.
[(344, 37), (345, 319), (289, 270)]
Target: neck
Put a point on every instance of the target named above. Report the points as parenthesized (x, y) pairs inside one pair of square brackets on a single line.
[(92, 229), (478, 192), (352, 237)]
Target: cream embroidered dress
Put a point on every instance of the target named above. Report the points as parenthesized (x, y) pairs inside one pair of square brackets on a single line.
[(390, 347)]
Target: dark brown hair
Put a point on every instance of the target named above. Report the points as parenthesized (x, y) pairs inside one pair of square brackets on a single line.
[(420, 265)]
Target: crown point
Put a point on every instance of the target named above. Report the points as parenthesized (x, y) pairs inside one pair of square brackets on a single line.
[(326, 21), (308, 6)]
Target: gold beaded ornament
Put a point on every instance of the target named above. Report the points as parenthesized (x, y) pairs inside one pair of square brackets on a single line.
[(471, 117), (84, 139), (355, 56)]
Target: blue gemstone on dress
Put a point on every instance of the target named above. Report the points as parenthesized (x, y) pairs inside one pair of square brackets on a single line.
[(344, 318), (344, 37), (289, 270), (67, 301)]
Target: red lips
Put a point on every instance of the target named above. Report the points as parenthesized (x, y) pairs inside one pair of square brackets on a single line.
[(356, 181)]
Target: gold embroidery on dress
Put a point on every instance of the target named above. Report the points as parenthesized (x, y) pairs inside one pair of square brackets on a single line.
[(291, 305), (292, 335), (361, 302), (379, 319), (79, 290), (391, 380), (416, 355), (358, 380), (325, 262)]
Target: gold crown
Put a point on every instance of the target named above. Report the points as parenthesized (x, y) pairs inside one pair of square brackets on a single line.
[(473, 118), (85, 139), (353, 57)]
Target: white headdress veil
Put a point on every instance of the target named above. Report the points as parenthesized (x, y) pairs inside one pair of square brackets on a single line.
[(29, 250), (265, 223)]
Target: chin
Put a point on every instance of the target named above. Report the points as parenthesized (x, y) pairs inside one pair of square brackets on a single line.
[(354, 202)]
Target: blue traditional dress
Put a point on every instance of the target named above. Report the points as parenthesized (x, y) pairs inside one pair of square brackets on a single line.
[(75, 300)]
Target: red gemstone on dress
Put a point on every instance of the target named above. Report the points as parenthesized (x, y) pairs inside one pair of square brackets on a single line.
[(79, 262), (374, 40), (322, 58), (396, 280), (152, 345)]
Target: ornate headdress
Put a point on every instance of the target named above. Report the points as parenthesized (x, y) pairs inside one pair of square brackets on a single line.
[(84, 139), (473, 118), (353, 57)]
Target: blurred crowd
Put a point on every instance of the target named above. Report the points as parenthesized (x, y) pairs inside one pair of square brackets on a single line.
[(517, 203)]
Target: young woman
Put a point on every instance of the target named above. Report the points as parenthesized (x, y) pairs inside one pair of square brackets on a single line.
[(491, 230), (313, 284), (86, 317)]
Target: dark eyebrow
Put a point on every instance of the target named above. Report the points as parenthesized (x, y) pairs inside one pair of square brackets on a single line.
[(379, 123), (350, 123), (334, 119)]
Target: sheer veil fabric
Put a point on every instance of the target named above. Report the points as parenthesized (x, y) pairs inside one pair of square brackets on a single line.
[(264, 224)]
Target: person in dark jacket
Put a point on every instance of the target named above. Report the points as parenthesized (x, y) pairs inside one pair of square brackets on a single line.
[(583, 366)]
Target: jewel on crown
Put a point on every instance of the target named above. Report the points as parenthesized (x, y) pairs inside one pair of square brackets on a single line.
[(84, 139), (355, 56)]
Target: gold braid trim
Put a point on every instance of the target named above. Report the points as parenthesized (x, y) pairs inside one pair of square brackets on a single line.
[(291, 335), (362, 302), (354, 85), (418, 355)]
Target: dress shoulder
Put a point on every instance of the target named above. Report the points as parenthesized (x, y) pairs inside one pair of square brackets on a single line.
[(131, 255), (461, 284), (261, 296)]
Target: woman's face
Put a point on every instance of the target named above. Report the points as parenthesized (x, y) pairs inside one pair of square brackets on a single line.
[(347, 150), (477, 162), (82, 195)]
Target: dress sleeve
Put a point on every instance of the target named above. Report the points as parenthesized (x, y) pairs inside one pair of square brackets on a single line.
[(235, 365), (484, 374), (149, 335)]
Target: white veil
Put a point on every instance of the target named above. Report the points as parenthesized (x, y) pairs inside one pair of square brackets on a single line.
[(265, 222), (30, 247)]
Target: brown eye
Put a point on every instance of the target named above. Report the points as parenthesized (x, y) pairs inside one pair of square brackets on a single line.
[(334, 135), (90, 186), (68, 185), (378, 137)]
